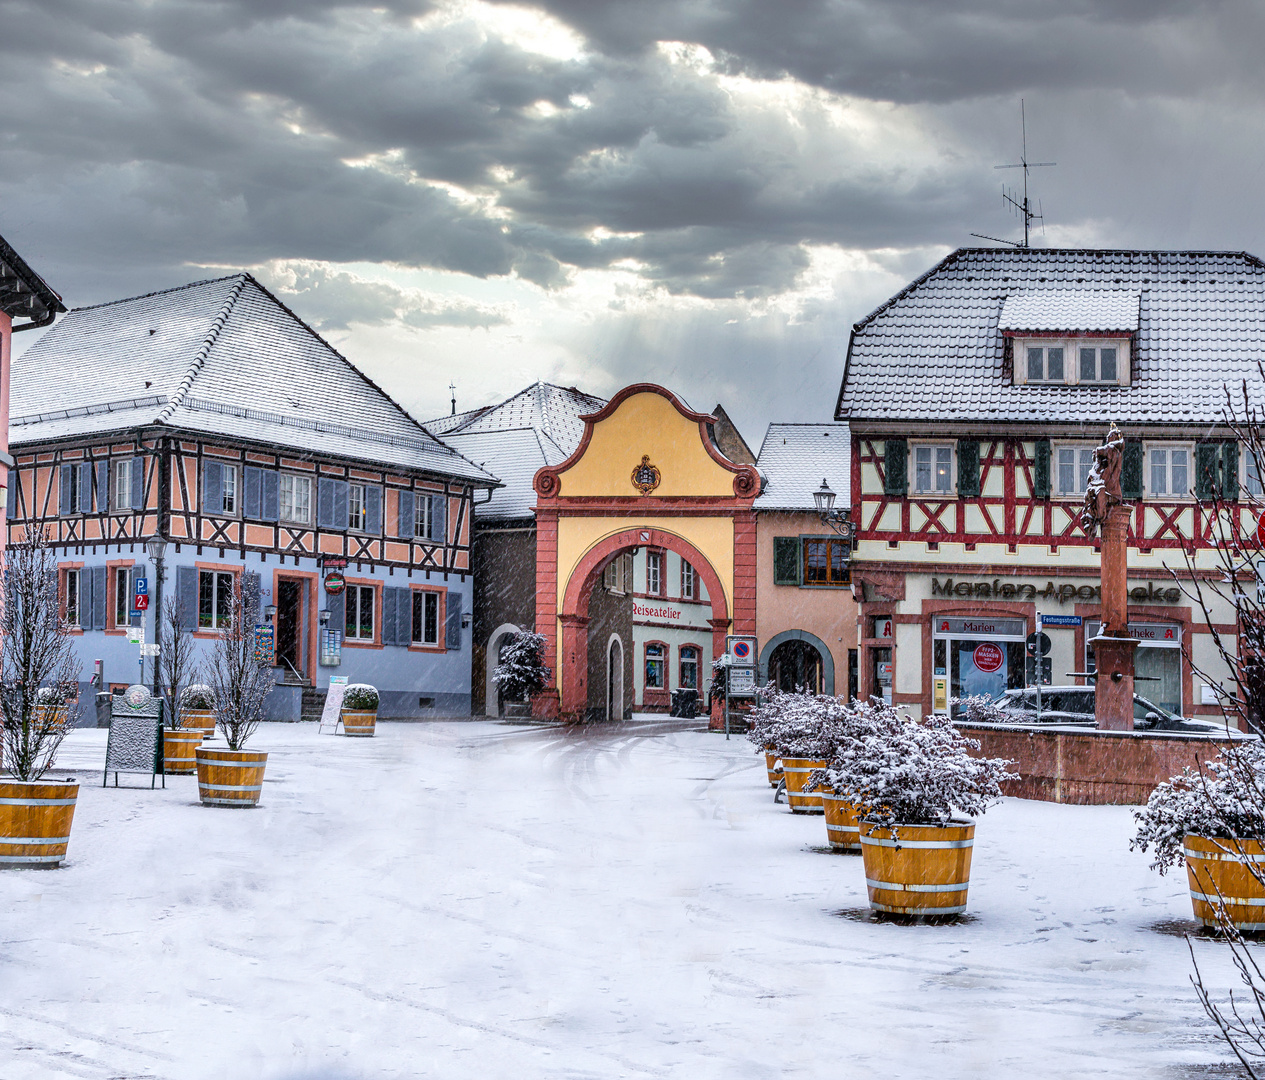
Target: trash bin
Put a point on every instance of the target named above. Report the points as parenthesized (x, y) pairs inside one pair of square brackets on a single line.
[(104, 705)]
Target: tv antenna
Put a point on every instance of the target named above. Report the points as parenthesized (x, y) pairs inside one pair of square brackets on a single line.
[(1022, 207)]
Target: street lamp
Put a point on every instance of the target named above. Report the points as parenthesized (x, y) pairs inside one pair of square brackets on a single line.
[(155, 548), (824, 501)]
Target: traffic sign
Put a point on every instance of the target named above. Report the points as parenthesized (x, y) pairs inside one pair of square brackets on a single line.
[(1038, 643), (141, 586), (1260, 531), (140, 602)]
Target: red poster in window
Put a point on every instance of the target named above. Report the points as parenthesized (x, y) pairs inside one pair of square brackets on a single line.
[(988, 657)]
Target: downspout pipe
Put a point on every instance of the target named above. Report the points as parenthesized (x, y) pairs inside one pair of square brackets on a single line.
[(35, 324)]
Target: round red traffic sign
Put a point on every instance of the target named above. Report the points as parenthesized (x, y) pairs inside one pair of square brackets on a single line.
[(1260, 531), (988, 657), (742, 649)]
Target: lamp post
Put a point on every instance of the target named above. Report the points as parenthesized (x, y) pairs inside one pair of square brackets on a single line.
[(156, 547), (824, 501)]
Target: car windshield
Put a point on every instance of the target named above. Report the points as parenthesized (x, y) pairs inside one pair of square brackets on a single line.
[(1141, 706)]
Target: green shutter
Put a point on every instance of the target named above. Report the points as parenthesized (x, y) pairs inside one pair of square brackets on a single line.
[(1207, 457), (1131, 471), (968, 467), (1041, 471), (786, 560), (895, 467), (1230, 471)]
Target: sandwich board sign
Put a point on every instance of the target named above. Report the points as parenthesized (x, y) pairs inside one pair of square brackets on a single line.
[(333, 710)]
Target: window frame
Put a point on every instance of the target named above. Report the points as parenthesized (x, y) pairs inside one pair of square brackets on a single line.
[(121, 596), (1044, 345), (662, 659), (421, 515), (830, 542), (294, 479), (689, 577), (359, 487), (215, 625), (228, 479), (1245, 454), (357, 587), (1148, 491), (72, 579), (933, 493), (1098, 380), (697, 662), (1056, 488), (120, 494), (1071, 344), (425, 595), (655, 558)]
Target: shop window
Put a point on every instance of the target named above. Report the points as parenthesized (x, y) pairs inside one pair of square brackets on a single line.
[(1168, 473), (933, 470), (426, 618), (73, 607), (359, 612), (689, 581), (296, 498), (826, 562), (689, 667), (215, 599), (654, 667), (654, 573), (1074, 463)]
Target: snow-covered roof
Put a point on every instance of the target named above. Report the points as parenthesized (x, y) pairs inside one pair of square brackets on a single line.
[(1069, 310), (219, 358), (538, 426), (936, 350), (795, 458)]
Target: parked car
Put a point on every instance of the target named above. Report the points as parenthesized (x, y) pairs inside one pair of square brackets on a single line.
[(1075, 705)]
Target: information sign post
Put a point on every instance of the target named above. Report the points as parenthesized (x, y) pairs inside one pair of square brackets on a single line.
[(741, 651)]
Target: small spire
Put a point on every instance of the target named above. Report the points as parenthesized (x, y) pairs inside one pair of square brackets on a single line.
[(453, 388)]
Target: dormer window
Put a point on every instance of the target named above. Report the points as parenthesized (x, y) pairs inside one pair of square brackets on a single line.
[(1045, 363), (1099, 364), (1071, 361), (1070, 337)]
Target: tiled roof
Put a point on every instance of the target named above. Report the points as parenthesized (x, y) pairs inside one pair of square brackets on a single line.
[(935, 351), (220, 357), (538, 426), (1069, 310), (795, 458)]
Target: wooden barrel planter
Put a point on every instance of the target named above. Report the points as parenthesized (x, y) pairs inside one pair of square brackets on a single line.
[(841, 821), (797, 771), (35, 823), (775, 770), (359, 722), (179, 747), (200, 720), (1219, 870), (922, 870), (230, 777)]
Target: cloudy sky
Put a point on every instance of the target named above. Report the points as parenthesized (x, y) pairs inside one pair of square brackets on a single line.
[(703, 193)]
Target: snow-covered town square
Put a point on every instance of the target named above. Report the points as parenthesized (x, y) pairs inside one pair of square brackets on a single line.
[(456, 899)]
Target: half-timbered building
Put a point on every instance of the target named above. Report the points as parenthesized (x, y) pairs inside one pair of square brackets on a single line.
[(975, 397), (210, 415)]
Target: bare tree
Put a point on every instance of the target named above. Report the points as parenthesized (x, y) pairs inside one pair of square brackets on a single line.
[(238, 677), (38, 668), (176, 667)]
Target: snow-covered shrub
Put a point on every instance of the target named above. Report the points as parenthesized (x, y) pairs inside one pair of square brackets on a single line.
[(797, 725), (361, 697), (913, 772), (196, 696), (1225, 800), (49, 695), (522, 671), (979, 709)]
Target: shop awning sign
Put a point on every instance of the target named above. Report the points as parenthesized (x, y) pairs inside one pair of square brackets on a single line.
[(1006, 629)]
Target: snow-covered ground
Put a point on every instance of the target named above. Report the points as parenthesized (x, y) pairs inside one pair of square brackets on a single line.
[(481, 900)]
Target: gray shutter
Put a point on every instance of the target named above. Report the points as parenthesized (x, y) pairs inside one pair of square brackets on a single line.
[(63, 502), (1131, 466), (325, 503), (390, 601), (404, 618), (1230, 471), (786, 560), (251, 585), (1206, 461), (252, 492), (452, 628), (439, 518), (98, 597), (337, 606), (85, 487), (103, 487), (340, 504), (213, 488), (968, 467), (138, 483), (373, 510), (187, 596), (272, 496), (895, 467), (407, 515), (1041, 470), (11, 494)]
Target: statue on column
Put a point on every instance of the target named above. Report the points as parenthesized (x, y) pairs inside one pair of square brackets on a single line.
[(1103, 490)]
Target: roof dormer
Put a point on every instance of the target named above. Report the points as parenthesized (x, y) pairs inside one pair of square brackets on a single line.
[(1080, 337)]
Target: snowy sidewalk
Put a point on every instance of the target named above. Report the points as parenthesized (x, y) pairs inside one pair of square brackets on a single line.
[(482, 900)]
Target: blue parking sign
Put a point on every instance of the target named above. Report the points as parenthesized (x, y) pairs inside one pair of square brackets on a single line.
[(142, 586)]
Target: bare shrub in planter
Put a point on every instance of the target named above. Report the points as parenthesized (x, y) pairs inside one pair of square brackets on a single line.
[(239, 680), (176, 667)]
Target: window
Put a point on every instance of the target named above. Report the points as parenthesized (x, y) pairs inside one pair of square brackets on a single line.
[(77, 478), (1074, 463), (654, 667), (215, 598), (296, 498), (359, 606), (614, 577), (122, 595), (426, 618), (933, 470), (654, 573), (1098, 364), (121, 485), (1169, 471), (73, 613), (356, 509), (689, 668), (1045, 363), (1252, 474), (230, 489), (689, 581), (421, 516), (826, 562)]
